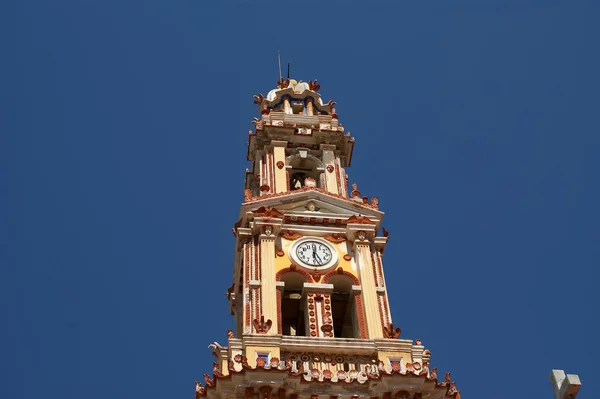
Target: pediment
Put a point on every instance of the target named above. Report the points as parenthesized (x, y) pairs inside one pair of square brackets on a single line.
[(326, 205)]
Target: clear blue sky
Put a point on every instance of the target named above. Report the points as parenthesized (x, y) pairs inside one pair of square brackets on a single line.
[(123, 141)]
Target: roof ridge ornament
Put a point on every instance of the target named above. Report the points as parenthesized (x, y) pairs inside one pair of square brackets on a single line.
[(283, 83)]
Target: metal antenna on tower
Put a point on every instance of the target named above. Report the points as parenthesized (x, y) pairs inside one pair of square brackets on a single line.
[(288, 70), (279, 62)]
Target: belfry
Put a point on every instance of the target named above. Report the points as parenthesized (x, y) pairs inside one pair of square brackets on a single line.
[(309, 296)]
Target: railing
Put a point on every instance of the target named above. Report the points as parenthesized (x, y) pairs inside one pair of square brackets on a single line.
[(324, 366)]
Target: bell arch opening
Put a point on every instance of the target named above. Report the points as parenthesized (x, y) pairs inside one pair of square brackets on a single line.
[(343, 307), (305, 172), (292, 309)]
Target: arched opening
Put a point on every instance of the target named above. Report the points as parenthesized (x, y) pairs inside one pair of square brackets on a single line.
[(304, 172), (292, 311), (343, 309)]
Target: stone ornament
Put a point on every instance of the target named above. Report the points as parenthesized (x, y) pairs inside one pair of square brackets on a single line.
[(261, 326), (391, 333), (268, 230)]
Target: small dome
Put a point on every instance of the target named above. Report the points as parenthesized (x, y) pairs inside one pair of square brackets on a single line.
[(300, 87)]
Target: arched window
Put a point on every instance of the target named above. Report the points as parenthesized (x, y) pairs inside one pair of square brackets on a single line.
[(305, 172), (292, 309)]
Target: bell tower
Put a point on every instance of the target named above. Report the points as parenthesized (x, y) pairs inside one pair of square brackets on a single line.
[(309, 295)]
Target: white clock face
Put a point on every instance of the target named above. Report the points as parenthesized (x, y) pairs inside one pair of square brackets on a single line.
[(314, 253)]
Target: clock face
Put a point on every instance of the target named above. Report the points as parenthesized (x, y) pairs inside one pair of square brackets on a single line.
[(314, 253)]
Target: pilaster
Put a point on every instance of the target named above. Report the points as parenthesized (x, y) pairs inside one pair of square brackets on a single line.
[(268, 288), (331, 181), (362, 235), (279, 160)]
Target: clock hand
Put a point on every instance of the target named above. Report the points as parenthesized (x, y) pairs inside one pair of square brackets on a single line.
[(317, 258)]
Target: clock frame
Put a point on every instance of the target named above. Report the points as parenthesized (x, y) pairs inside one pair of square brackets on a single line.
[(317, 240)]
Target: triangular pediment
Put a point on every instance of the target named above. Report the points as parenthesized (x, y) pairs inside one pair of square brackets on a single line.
[(315, 204)]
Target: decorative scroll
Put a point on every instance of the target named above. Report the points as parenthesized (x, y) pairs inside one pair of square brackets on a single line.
[(258, 99)]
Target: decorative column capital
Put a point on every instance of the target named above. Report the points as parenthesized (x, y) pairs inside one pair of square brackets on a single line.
[(279, 143)]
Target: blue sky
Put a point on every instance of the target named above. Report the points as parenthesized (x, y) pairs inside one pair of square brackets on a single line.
[(124, 128)]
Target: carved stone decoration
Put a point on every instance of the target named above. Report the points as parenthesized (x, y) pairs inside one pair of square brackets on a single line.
[(216, 372), (268, 230), (335, 238), (395, 366), (262, 326), (314, 85), (331, 104), (386, 233), (200, 390), (347, 257), (258, 99), (208, 381), (310, 182), (280, 164), (265, 188), (327, 328), (359, 219), (312, 207), (330, 168), (291, 235), (374, 202), (245, 363), (355, 193), (268, 212), (280, 253), (452, 391), (283, 83), (362, 235), (390, 332), (316, 276), (447, 377), (418, 342), (433, 373), (230, 334), (274, 363), (261, 362)]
